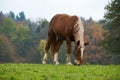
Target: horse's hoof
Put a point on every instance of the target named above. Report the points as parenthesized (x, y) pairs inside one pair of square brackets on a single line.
[(69, 63), (77, 64), (43, 62), (57, 63)]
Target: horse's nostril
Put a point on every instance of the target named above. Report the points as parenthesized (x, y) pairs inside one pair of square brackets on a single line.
[(76, 64)]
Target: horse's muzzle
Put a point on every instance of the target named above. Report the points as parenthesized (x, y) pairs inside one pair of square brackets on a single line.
[(76, 64)]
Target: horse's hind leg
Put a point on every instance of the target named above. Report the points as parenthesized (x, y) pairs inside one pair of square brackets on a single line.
[(47, 47), (56, 50)]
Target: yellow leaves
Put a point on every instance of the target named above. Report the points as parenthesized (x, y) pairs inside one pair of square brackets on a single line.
[(43, 42), (21, 26), (42, 46)]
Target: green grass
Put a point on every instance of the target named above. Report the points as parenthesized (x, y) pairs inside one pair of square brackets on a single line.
[(59, 72)]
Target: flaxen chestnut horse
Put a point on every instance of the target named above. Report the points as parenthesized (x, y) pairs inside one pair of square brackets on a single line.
[(69, 28)]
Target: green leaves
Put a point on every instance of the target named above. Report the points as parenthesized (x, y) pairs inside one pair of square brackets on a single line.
[(113, 11), (7, 27), (13, 37), (112, 16)]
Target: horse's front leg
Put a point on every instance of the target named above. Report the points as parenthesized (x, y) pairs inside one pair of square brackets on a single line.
[(47, 47), (56, 58), (68, 51), (56, 50)]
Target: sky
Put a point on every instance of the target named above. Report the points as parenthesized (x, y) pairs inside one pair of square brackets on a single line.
[(35, 9)]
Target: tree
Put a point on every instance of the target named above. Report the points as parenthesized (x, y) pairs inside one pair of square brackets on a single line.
[(17, 18), (21, 38), (1, 18), (7, 28), (42, 29), (11, 15), (113, 11), (7, 50), (94, 50), (112, 15), (41, 47), (20, 17)]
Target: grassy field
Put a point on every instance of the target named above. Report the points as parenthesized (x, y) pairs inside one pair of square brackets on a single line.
[(59, 72)]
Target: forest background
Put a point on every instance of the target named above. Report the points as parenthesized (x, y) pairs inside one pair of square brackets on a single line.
[(23, 40)]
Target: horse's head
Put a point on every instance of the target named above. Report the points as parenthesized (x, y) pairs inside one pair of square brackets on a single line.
[(79, 51)]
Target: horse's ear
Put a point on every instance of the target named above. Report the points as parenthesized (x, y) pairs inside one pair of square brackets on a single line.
[(86, 43), (78, 43)]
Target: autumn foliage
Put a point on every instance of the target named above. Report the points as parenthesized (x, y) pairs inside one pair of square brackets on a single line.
[(22, 40)]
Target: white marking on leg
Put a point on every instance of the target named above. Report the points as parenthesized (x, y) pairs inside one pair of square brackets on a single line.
[(56, 58), (68, 59), (44, 58), (82, 50)]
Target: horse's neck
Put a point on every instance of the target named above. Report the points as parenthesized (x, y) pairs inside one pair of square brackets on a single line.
[(79, 35)]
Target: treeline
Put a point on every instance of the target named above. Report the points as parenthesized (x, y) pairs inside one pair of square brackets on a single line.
[(20, 37), (22, 40)]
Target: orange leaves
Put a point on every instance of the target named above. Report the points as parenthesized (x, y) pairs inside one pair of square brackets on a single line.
[(95, 51), (7, 51), (95, 31)]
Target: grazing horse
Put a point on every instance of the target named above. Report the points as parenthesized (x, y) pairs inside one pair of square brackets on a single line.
[(69, 28)]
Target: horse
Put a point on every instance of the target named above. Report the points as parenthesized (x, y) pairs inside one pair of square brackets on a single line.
[(64, 27)]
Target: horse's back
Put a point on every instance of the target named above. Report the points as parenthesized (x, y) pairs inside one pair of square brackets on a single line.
[(57, 24), (61, 25)]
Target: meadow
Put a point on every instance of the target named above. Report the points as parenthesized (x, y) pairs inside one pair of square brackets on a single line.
[(22, 71)]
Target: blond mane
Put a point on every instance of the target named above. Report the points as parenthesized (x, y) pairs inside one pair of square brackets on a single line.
[(79, 32)]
